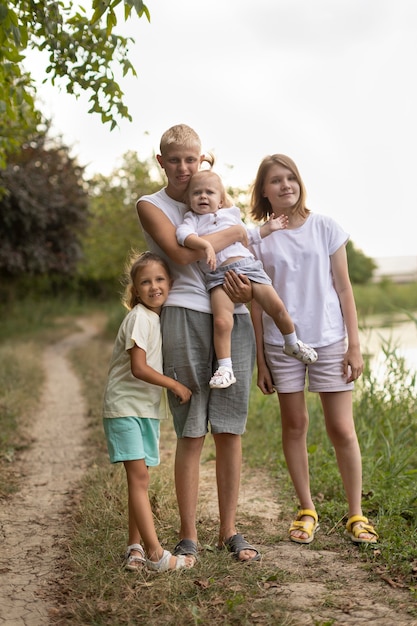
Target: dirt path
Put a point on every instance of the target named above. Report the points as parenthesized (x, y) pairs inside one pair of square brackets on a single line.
[(32, 522), (330, 589)]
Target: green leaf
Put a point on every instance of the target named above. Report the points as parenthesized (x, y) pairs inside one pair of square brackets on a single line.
[(13, 55)]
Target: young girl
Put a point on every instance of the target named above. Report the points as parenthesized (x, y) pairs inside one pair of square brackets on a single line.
[(134, 403), (206, 197), (308, 266)]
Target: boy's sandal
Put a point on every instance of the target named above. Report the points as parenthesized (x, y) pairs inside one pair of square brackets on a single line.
[(305, 526), (186, 547), (132, 561), (358, 525), (236, 543), (163, 565)]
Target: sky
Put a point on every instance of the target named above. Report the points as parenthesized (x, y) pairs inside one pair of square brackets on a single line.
[(331, 83)]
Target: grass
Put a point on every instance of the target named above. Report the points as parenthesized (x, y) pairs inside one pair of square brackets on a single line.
[(386, 298), (227, 596), (386, 423), (27, 326), (94, 589), (21, 381)]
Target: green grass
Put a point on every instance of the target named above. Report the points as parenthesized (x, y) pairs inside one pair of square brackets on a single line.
[(27, 326), (385, 297), (387, 425), (21, 381), (94, 589), (104, 593)]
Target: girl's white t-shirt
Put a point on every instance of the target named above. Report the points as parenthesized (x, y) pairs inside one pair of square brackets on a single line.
[(298, 263), (189, 287), (125, 395)]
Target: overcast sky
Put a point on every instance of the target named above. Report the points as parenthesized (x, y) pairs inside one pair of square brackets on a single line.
[(331, 83)]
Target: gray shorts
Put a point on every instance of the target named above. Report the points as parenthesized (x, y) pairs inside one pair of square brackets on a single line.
[(289, 375), (253, 269), (187, 345)]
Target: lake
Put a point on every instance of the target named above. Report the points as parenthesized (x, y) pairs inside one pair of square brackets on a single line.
[(402, 336)]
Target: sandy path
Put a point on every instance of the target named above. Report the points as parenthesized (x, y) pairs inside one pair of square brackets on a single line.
[(32, 522)]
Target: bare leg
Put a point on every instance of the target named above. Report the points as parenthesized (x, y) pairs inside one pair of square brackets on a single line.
[(228, 470), (223, 309), (134, 535), (338, 413), (140, 511), (294, 423), (187, 466), (272, 304)]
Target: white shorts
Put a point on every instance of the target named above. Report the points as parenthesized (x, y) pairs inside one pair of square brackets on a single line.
[(326, 374)]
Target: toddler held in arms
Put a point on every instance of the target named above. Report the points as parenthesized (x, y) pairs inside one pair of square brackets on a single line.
[(207, 199)]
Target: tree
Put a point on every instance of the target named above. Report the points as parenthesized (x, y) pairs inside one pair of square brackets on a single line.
[(113, 229), (42, 212), (361, 267), (82, 52)]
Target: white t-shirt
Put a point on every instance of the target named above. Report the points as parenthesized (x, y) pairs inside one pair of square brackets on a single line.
[(189, 287), (195, 224), (126, 395), (298, 263)]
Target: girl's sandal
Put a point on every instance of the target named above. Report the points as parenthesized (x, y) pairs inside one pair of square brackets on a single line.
[(358, 525), (305, 526), (133, 562), (163, 565)]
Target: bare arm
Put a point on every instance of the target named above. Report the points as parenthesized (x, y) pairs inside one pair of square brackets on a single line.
[(143, 371), (163, 232), (227, 237), (198, 243), (343, 286), (264, 375)]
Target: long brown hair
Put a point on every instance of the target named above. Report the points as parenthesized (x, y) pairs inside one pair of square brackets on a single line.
[(260, 206)]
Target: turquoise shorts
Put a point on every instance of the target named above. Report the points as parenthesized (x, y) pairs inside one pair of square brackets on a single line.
[(132, 438)]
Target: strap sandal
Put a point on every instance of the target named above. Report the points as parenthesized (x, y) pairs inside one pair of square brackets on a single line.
[(306, 526), (133, 562), (186, 547), (358, 525), (236, 543), (163, 565)]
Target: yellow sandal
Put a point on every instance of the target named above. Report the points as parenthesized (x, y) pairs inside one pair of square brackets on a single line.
[(305, 526), (362, 527)]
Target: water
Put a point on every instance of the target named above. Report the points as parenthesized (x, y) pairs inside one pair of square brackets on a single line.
[(402, 337)]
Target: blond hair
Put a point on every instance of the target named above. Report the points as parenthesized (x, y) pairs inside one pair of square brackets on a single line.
[(136, 262), (203, 175), (227, 200), (183, 135), (260, 206), (180, 134)]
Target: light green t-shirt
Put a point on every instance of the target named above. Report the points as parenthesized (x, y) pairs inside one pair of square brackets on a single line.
[(126, 395)]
